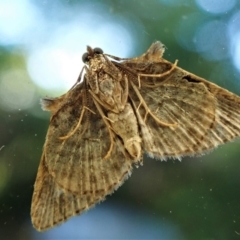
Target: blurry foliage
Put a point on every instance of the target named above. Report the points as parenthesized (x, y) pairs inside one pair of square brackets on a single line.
[(201, 196)]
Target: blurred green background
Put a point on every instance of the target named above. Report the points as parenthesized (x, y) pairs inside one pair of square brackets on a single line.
[(41, 44)]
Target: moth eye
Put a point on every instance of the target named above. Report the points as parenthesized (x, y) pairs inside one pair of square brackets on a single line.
[(85, 57), (98, 50)]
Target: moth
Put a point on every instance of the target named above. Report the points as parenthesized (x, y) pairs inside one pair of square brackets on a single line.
[(118, 110)]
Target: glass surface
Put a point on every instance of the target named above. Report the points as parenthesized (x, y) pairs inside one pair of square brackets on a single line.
[(41, 47)]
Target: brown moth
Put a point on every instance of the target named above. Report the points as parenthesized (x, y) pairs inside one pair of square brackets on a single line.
[(119, 110)]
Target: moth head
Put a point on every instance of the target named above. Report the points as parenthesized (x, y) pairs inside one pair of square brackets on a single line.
[(91, 53)]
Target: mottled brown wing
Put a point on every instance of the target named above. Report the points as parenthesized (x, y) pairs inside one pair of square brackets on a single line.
[(73, 176), (204, 119), (206, 115)]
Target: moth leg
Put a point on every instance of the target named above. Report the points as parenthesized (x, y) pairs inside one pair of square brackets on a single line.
[(78, 124), (126, 91), (100, 101), (147, 139), (117, 58), (78, 79), (148, 111), (142, 68), (112, 70), (158, 75), (108, 154)]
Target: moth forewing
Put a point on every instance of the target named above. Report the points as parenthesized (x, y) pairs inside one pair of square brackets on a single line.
[(121, 109)]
